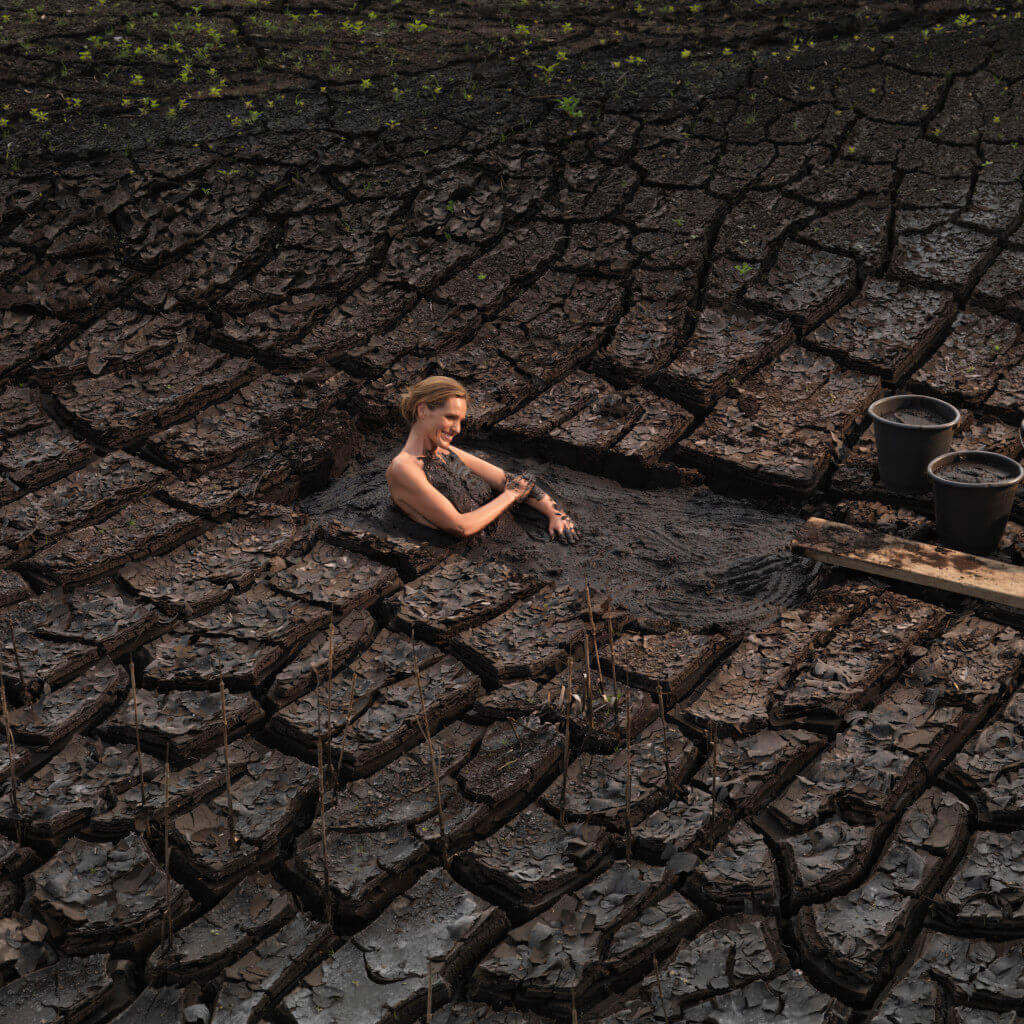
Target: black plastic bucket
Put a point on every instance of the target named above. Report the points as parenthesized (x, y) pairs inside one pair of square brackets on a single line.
[(910, 431), (974, 493)]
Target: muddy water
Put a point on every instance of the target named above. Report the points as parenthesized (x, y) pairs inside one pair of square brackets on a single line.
[(918, 415), (684, 554), (974, 471)]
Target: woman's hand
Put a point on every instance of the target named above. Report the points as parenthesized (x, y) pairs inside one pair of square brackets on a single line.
[(561, 527), (520, 486)]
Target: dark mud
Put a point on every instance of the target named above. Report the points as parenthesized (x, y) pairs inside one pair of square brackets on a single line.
[(685, 554), (966, 470), (916, 416)]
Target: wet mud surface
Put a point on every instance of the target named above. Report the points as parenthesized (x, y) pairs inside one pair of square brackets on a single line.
[(684, 554), (670, 774)]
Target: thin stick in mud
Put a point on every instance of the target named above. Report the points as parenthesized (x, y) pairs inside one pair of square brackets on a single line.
[(17, 663), (328, 915), (344, 731), (629, 782), (330, 687), (593, 636), (10, 759), (433, 763), (615, 681), (138, 736), (167, 846), (661, 994), (664, 735), (565, 748), (227, 765)]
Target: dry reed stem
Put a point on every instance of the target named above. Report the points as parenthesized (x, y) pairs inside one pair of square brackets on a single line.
[(17, 663), (629, 782), (138, 736), (433, 765), (661, 994), (565, 748), (589, 692), (430, 992), (330, 684), (167, 845), (328, 916), (227, 765), (664, 733), (615, 680), (344, 731), (10, 760)]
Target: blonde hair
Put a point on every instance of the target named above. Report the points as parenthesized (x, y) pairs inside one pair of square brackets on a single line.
[(435, 391)]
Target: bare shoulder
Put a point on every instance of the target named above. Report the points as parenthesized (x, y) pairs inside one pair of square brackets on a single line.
[(404, 468)]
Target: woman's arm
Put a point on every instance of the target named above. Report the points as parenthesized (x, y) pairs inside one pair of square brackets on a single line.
[(559, 524), (410, 486), (495, 476)]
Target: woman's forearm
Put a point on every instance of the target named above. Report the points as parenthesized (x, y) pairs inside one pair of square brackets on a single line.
[(473, 522)]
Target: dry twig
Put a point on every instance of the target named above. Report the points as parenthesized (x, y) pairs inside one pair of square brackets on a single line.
[(10, 759), (227, 765)]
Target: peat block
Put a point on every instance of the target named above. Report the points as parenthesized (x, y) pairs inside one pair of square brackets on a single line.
[(139, 808), (528, 863), (106, 897), (73, 707), (267, 800), (256, 907), (691, 824), (429, 936), (988, 772), (887, 328), (671, 663), (532, 637), (188, 723), (457, 595), (67, 992), (270, 969), (856, 939), (595, 788), (83, 780), (740, 872), (861, 655), (725, 956), (325, 650), (337, 579), (736, 697), (202, 573), (400, 711), (562, 957), (143, 528), (727, 344), (85, 496), (985, 895)]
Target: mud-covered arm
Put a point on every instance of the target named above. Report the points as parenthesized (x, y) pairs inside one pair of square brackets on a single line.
[(412, 490), (559, 523)]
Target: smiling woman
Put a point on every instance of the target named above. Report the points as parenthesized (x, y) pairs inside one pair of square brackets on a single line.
[(438, 485)]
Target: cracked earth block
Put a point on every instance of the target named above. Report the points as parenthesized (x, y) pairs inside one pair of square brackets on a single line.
[(805, 284), (786, 424), (944, 256), (982, 350), (458, 595), (565, 956), (106, 897), (252, 910), (428, 937), (887, 328), (856, 939)]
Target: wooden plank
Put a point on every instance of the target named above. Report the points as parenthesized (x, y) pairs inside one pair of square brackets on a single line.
[(911, 561)]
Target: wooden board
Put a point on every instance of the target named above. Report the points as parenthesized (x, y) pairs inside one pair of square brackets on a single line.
[(911, 561)]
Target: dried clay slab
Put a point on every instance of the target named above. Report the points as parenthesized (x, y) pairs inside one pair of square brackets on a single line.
[(929, 565)]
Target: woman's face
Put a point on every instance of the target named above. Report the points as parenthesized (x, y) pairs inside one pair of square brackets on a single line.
[(443, 424)]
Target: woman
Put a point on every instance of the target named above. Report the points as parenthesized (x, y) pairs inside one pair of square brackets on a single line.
[(438, 485)]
